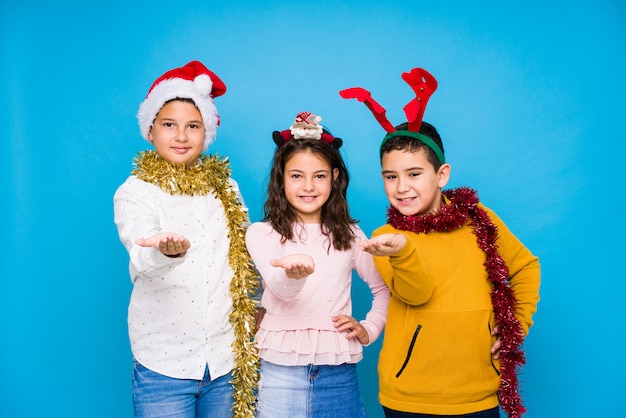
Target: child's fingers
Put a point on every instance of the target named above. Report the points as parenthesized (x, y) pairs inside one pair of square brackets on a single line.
[(166, 244), (142, 242), (344, 322)]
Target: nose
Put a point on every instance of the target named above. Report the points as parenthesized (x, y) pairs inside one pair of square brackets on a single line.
[(307, 184), (181, 135), (403, 185)]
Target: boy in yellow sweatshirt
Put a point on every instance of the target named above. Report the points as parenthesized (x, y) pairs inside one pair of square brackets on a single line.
[(463, 287)]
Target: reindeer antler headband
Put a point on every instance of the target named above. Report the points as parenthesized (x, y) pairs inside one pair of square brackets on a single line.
[(424, 85)]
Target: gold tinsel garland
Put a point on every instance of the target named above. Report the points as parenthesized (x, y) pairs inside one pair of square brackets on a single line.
[(211, 175)]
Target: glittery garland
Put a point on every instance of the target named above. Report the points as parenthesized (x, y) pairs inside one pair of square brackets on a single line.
[(463, 206), (211, 175)]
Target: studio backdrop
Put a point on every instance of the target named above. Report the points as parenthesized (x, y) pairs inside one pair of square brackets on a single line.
[(530, 106)]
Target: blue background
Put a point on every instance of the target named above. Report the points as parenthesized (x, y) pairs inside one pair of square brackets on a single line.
[(530, 106)]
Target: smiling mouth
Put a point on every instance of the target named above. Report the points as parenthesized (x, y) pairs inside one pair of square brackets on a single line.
[(308, 198)]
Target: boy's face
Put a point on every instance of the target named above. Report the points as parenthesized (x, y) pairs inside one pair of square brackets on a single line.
[(411, 183), (178, 133)]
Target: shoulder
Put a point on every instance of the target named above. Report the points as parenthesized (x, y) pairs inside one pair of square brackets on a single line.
[(134, 185), (385, 229), (357, 231), (260, 228), (233, 183), (492, 215), (134, 181), (260, 235), (485, 208)]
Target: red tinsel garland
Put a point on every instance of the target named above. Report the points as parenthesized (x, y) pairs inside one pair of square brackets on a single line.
[(463, 206)]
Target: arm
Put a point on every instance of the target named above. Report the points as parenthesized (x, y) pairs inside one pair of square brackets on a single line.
[(264, 247), (524, 272), (401, 266), (137, 219), (368, 330), (376, 318)]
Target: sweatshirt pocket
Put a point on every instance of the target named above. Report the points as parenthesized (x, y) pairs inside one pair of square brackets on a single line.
[(439, 357), (409, 350)]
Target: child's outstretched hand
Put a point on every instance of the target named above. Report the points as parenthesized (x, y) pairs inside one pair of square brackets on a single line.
[(354, 328), (383, 245), (297, 266), (171, 245)]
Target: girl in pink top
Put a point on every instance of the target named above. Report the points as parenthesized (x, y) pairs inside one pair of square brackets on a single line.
[(306, 250)]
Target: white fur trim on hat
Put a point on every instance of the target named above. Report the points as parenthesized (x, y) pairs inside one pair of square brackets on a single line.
[(198, 90)]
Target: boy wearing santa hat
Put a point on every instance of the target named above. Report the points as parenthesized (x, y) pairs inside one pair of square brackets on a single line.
[(181, 217)]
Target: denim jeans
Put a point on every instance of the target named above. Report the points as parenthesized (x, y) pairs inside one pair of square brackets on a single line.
[(489, 413), (155, 395), (309, 391)]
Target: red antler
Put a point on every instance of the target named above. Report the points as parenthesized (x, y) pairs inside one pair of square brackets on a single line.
[(365, 96), (424, 85)]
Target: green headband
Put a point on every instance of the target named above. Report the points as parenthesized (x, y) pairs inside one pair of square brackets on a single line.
[(425, 139)]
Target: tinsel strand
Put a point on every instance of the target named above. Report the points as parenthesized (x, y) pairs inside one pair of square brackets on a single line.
[(211, 175), (504, 302), (463, 206)]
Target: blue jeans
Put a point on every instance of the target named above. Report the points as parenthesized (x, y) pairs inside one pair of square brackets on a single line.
[(309, 391), (155, 395), (489, 413)]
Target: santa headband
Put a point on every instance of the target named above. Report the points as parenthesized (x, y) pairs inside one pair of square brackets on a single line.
[(306, 125), (192, 81), (424, 85)]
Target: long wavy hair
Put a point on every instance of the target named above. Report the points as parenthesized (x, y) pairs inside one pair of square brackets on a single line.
[(336, 222)]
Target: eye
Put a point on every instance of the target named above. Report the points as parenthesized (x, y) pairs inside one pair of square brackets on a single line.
[(321, 176), (168, 124), (390, 177), (194, 126)]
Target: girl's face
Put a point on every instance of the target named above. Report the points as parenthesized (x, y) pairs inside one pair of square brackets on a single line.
[(411, 183), (178, 133), (307, 182)]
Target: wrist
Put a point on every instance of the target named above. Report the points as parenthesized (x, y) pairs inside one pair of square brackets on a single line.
[(175, 255)]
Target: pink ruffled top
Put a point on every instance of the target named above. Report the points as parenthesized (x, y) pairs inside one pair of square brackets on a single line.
[(298, 328)]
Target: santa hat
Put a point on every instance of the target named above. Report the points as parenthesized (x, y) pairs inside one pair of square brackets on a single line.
[(192, 81)]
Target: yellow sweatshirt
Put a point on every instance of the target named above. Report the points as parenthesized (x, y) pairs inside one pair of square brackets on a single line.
[(436, 355)]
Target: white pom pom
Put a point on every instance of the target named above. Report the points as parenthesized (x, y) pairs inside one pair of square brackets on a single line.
[(203, 84)]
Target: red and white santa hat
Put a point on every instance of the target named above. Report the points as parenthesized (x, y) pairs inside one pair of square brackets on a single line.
[(193, 81)]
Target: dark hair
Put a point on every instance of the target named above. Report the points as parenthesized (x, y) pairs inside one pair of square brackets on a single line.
[(336, 222), (181, 99), (410, 144)]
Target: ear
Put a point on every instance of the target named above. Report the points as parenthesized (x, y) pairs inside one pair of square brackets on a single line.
[(281, 137), (337, 143), (278, 139), (150, 136), (335, 173), (444, 175)]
